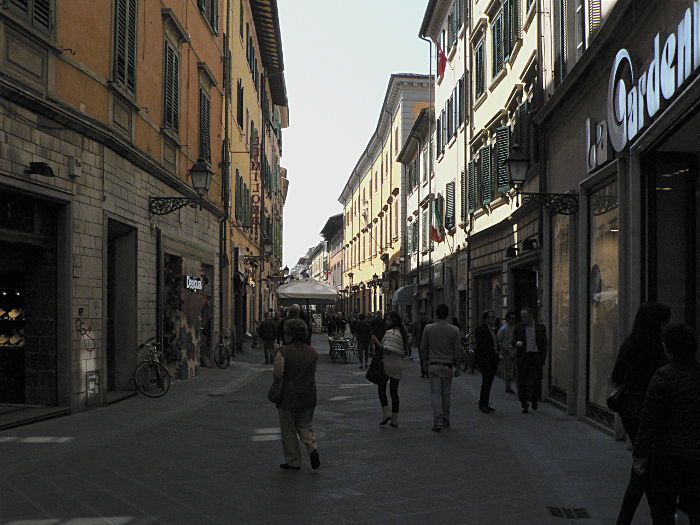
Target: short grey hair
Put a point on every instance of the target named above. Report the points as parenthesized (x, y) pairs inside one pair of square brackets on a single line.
[(295, 330)]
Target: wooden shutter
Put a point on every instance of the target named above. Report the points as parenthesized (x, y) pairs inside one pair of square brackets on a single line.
[(594, 16), (425, 231), (463, 195), (507, 29), (409, 238), (502, 151), (41, 17), (472, 186), (171, 88), (486, 177), (204, 125), (124, 69), (450, 206), (497, 32), (480, 73), (516, 20)]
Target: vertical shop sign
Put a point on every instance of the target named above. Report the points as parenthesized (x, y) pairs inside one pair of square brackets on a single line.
[(255, 190)]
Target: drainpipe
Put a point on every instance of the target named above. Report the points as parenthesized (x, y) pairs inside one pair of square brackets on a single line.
[(431, 105), (226, 184), (467, 156)]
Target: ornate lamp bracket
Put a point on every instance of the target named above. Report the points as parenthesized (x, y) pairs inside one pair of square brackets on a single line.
[(166, 205), (559, 203)]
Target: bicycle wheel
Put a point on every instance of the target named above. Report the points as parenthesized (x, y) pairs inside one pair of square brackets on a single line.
[(151, 378), (222, 355)]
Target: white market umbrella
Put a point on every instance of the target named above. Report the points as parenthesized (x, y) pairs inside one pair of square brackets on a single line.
[(307, 291)]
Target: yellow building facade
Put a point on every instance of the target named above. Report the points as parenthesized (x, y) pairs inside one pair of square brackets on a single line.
[(373, 213), (257, 114)]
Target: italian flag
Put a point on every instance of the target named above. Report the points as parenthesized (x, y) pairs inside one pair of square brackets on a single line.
[(437, 228)]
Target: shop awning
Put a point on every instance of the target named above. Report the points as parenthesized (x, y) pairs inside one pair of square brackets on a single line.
[(404, 295), (307, 291)]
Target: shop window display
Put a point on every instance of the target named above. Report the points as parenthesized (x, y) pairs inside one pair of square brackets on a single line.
[(561, 358), (603, 310)]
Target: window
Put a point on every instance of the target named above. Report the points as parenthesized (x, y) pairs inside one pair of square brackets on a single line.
[(502, 150), (471, 191), (424, 243), (480, 76), (463, 98), (511, 26), (486, 179), (450, 206), (240, 19), (438, 133), (37, 13), (171, 89), (239, 103), (210, 11), (415, 234), (396, 218), (463, 195), (124, 68), (497, 44), (204, 125), (396, 140)]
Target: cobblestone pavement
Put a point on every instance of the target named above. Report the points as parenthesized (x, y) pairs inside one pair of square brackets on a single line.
[(208, 452)]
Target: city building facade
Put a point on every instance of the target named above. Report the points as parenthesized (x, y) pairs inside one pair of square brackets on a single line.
[(373, 213)]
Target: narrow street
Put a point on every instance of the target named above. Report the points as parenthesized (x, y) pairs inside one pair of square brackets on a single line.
[(208, 452)]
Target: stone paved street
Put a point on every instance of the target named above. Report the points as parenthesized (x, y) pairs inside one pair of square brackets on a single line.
[(208, 452)]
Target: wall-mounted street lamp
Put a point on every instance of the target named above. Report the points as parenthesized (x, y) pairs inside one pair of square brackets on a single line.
[(516, 166), (201, 175)]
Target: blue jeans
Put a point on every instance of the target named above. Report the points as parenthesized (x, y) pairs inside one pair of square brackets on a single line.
[(440, 384)]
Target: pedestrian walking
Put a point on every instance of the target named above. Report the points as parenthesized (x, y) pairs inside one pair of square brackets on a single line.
[(507, 350), (486, 355), (363, 330), (640, 356), (267, 332), (295, 364), (393, 347), (443, 350), (530, 338), (667, 448), (378, 326)]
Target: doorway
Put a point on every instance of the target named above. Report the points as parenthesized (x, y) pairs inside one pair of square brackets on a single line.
[(121, 305), (525, 289)]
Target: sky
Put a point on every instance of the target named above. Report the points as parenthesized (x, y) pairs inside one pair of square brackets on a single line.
[(338, 57)]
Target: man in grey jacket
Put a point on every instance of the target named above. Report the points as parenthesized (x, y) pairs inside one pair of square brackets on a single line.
[(441, 344)]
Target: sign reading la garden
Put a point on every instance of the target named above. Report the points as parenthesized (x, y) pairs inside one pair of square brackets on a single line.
[(634, 99)]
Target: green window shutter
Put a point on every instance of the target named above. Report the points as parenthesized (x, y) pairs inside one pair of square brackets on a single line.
[(594, 15), (472, 186), (204, 125), (516, 21), (237, 211), (480, 73), (240, 18), (41, 17), (497, 41), (486, 176), (450, 206), (438, 132), (502, 151), (463, 195), (124, 69), (171, 96), (507, 29)]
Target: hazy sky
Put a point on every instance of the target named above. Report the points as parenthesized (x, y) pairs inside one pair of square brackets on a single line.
[(338, 57)]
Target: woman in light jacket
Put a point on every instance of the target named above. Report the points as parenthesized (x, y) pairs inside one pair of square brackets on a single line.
[(393, 348), (296, 364)]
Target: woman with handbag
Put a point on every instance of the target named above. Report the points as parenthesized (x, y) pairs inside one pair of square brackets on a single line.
[(393, 348), (640, 355), (295, 367)]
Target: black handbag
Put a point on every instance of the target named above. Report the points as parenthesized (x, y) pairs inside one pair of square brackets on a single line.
[(375, 373), (614, 400), (274, 394)]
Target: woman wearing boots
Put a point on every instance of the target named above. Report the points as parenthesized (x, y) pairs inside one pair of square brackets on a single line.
[(393, 347)]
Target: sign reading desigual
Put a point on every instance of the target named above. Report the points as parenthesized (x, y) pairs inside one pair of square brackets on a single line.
[(193, 283), (631, 99)]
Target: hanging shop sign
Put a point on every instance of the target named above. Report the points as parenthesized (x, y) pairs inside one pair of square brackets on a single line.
[(633, 101), (193, 283)]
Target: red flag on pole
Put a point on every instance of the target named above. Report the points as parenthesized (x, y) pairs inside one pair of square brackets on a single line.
[(441, 61)]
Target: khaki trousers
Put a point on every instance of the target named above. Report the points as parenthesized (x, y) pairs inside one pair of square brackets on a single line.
[(295, 425)]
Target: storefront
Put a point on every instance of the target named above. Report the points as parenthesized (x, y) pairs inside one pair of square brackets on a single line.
[(634, 238), (31, 370), (188, 309)]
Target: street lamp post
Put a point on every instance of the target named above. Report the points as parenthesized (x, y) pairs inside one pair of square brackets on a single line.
[(201, 175)]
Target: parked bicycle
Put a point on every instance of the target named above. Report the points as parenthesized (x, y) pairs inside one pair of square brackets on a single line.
[(151, 377), (223, 352)]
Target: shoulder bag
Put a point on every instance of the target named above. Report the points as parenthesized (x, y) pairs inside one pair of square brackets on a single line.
[(274, 393), (375, 373)]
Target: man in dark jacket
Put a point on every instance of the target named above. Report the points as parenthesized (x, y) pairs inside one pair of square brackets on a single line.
[(363, 331), (486, 354), (669, 431), (530, 340), (267, 331), (378, 326)]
